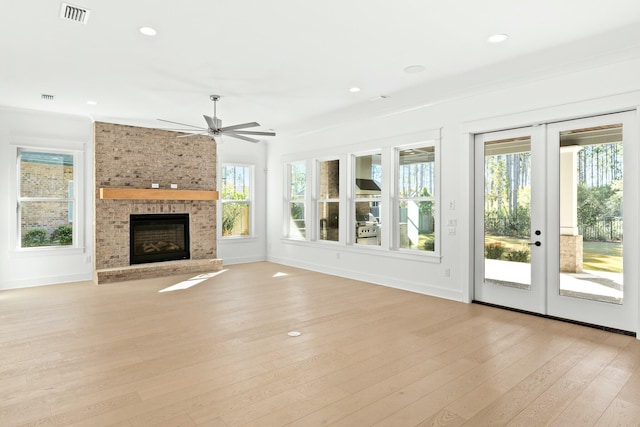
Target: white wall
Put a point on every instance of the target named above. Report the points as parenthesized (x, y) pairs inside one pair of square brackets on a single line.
[(595, 89), (43, 130), (245, 249)]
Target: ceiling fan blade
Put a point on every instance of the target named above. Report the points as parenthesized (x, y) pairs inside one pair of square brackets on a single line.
[(181, 124), (211, 122), (240, 126), (246, 138), (191, 134), (250, 132), (184, 130)]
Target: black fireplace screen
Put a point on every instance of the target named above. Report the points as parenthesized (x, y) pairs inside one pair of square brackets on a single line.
[(159, 237)]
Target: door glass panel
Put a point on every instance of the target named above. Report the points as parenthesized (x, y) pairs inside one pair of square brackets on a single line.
[(591, 202), (507, 212)]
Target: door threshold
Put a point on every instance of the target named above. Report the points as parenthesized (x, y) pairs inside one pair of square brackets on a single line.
[(561, 319)]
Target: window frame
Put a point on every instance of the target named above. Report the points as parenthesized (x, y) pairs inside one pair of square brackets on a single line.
[(249, 201), (317, 236), (77, 195), (353, 200), (396, 199), (290, 198)]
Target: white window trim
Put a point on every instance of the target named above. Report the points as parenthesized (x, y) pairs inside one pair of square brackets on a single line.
[(44, 146), (249, 201), (388, 147), (341, 200), (352, 200), (396, 199), (288, 199)]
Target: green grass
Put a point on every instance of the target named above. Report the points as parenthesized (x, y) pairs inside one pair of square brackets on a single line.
[(602, 256), (510, 243), (598, 256)]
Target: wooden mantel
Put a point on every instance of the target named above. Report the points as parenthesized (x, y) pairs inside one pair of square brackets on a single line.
[(157, 194)]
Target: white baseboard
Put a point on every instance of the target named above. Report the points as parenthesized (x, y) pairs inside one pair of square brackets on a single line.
[(420, 288), (44, 281), (242, 260)]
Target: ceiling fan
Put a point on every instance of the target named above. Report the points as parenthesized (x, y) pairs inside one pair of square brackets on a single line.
[(214, 127)]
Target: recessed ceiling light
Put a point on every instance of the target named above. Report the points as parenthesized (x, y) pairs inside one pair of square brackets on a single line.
[(148, 31), (92, 102), (354, 89), (497, 38), (413, 69)]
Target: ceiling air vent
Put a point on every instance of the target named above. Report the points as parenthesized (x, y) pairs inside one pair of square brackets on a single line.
[(47, 97), (74, 13)]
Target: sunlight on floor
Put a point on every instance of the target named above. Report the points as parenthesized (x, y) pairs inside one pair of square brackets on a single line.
[(280, 274), (189, 283)]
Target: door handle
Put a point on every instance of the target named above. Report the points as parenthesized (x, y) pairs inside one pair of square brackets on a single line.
[(534, 243)]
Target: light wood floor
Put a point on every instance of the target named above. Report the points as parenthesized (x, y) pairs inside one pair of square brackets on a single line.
[(218, 354)]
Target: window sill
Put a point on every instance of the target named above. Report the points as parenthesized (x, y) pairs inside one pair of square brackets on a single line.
[(46, 251), (378, 251), (237, 239)]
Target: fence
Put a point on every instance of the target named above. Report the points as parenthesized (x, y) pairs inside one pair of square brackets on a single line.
[(603, 230), (504, 226)]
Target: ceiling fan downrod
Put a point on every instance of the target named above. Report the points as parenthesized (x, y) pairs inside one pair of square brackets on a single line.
[(215, 99)]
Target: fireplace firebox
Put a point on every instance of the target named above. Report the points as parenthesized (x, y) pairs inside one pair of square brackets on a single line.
[(158, 237)]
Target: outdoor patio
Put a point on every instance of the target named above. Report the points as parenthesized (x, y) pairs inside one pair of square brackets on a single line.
[(590, 284)]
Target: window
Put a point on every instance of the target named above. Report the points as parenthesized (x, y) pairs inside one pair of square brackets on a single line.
[(416, 198), (46, 200), (236, 195), (367, 191), (296, 200), (329, 199)]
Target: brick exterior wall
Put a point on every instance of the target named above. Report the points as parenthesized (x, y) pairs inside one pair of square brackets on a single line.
[(127, 156), (44, 180)]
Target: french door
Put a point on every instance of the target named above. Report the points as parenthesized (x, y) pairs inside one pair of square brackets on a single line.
[(552, 205)]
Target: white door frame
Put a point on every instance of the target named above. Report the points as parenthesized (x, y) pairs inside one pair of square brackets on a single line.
[(533, 299), (618, 316), (627, 317)]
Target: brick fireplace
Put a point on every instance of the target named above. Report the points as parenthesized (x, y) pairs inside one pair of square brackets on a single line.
[(128, 157)]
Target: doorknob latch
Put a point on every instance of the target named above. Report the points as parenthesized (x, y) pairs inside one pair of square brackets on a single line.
[(534, 243)]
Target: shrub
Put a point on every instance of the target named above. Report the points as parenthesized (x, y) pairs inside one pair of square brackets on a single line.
[(230, 213), (62, 235), (518, 255), (494, 250), (429, 245), (35, 237)]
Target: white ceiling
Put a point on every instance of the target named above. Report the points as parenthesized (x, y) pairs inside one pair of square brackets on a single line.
[(285, 63)]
